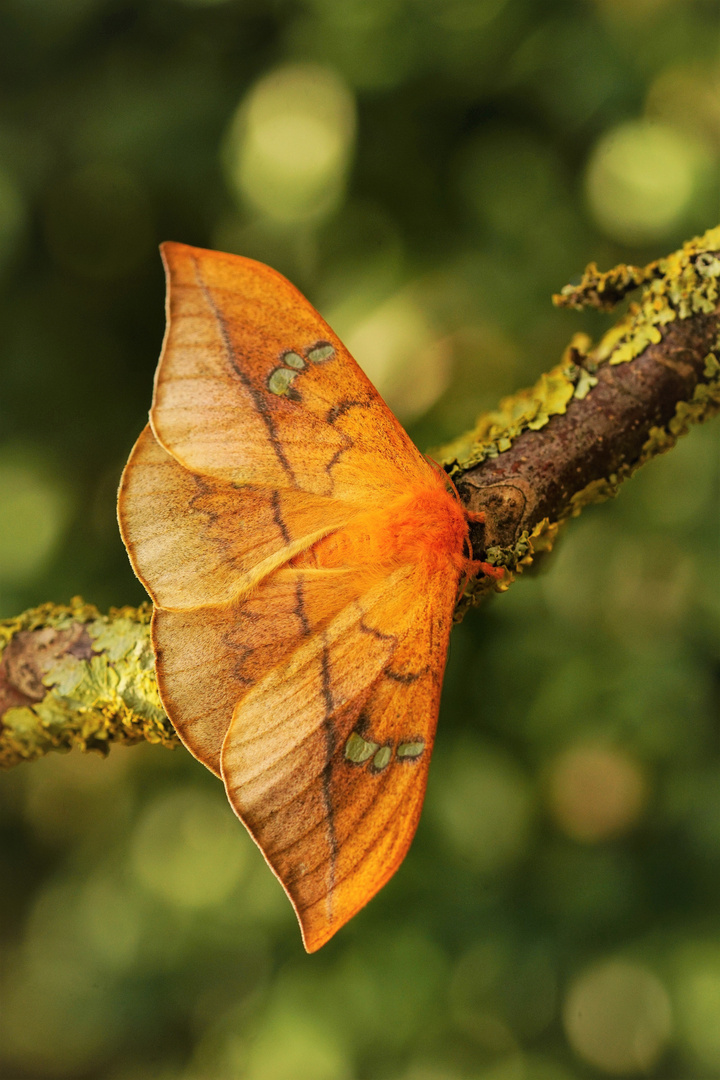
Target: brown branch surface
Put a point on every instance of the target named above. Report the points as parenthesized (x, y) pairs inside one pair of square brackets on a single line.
[(600, 414), (72, 677), (587, 450)]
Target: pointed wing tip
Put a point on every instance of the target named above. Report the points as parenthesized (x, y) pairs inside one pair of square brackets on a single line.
[(171, 251), (314, 936), (316, 927), (167, 247)]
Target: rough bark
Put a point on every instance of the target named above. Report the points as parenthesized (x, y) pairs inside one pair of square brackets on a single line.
[(596, 442)]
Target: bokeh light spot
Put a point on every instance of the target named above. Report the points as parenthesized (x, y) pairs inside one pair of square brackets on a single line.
[(401, 353), (640, 180), (291, 1044), (698, 1002), (617, 1017), (484, 806), (34, 510), (189, 849), (290, 142), (595, 792)]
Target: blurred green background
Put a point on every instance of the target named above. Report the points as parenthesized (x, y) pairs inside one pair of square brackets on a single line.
[(428, 172)]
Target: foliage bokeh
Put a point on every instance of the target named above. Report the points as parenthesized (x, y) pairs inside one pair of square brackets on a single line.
[(428, 172)]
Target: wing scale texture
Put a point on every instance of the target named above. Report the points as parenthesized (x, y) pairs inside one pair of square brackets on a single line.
[(303, 559)]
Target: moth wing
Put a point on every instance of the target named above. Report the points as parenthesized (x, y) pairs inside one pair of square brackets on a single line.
[(196, 541), (209, 658), (326, 758), (282, 402)]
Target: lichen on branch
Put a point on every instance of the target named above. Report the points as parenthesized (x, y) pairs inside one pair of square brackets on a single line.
[(72, 677), (600, 414)]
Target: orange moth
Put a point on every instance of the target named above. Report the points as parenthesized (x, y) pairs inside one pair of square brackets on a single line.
[(304, 560)]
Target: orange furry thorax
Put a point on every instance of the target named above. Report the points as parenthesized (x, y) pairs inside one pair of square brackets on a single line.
[(426, 526)]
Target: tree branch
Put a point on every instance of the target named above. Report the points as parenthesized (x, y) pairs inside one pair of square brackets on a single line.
[(71, 677), (600, 414)]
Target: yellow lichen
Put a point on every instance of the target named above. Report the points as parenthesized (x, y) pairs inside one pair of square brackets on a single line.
[(90, 703), (683, 284), (678, 286), (514, 559), (604, 289), (595, 492), (495, 432)]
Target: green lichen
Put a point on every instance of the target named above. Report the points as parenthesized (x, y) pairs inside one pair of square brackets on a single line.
[(520, 554), (514, 559), (496, 431), (681, 285), (90, 703), (604, 290), (678, 286)]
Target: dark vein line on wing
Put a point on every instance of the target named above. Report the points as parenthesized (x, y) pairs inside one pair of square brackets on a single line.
[(278, 518), (370, 805), (327, 774), (301, 611), (389, 819), (257, 398)]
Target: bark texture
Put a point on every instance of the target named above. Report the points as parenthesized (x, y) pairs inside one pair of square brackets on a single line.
[(595, 441)]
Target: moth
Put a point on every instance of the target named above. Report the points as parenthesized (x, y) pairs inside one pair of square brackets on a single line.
[(304, 561)]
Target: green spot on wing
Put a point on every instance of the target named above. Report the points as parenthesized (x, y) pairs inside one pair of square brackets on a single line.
[(382, 758), (410, 749), (293, 360), (280, 380), (322, 351), (358, 749)]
